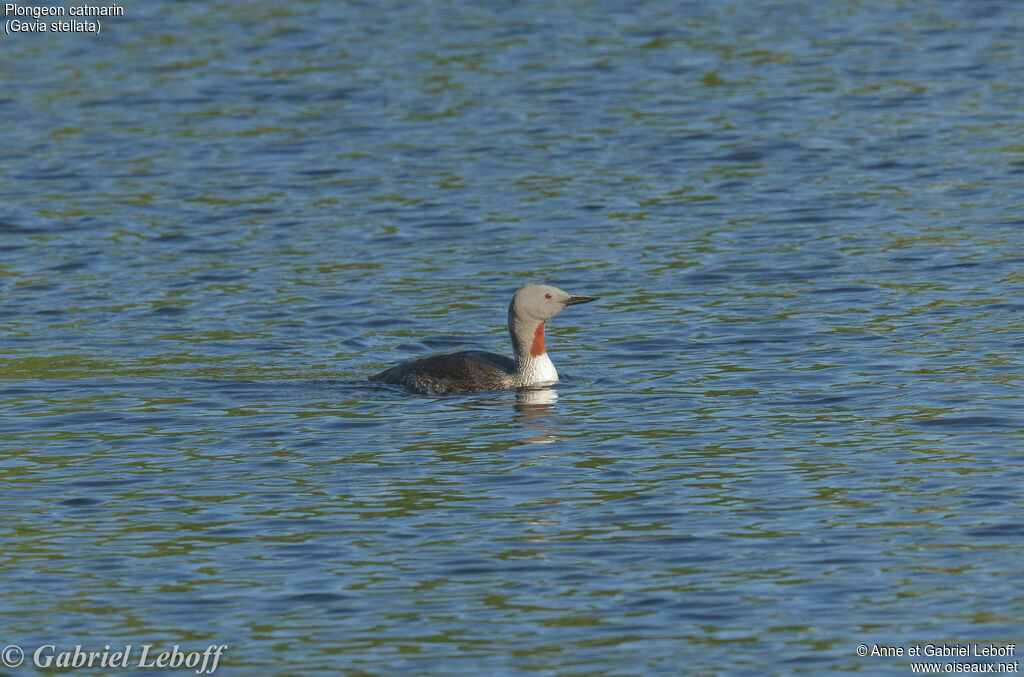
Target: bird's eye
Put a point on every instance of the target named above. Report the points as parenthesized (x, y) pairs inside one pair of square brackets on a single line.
[(547, 296)]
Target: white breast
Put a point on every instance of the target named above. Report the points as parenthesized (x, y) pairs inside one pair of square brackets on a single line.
[(537, 371)]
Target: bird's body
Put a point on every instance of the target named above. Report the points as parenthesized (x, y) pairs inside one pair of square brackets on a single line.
[(474, 370)]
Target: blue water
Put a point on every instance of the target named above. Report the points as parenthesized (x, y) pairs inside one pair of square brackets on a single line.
[(791, 426)]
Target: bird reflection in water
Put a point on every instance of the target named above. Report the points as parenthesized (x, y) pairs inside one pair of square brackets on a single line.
[(533, 407)]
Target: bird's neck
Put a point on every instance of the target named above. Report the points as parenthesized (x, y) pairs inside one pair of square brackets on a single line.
[(533, 366)]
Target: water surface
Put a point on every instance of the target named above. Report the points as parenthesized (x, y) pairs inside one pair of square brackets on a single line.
[(791, 425)]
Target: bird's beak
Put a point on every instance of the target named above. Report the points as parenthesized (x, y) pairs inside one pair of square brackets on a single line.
[(573, 300)]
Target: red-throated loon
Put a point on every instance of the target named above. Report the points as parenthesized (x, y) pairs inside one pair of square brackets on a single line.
[(474, 370)]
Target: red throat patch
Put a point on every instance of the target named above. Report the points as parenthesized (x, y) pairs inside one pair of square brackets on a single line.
[(537, 349)]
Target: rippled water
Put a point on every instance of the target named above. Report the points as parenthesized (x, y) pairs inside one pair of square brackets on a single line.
[(791, 426)]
